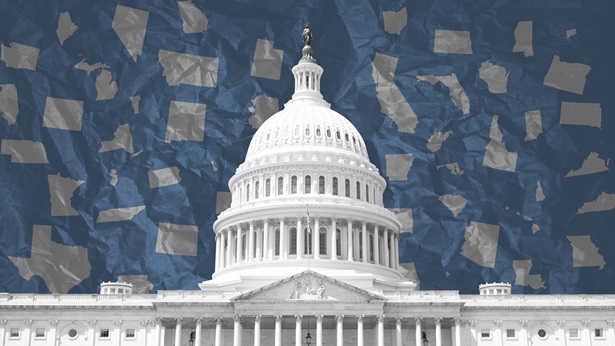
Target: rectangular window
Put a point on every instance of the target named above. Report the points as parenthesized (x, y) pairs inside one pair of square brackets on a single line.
[(39, 333), (511, 333), (14, 334), (104, 334), (130, 333), (485, 333), (574, 333), (323, 241), (598, 333)]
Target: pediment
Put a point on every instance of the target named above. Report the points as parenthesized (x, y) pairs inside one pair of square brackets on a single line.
[(310, 286)]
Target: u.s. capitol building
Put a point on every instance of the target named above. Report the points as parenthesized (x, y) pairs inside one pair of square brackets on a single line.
[(306, 255)]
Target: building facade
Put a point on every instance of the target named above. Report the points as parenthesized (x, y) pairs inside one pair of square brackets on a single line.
[(306, 255)]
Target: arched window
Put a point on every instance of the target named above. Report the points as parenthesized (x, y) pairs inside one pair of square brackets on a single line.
[(318, 132), (277, 242), (257, 186), (334, 186), (328, 133), (358, 190), (366, 193), (293, 184), (307, 241), (280, 185), (292, 241), (248, 193), (338, 135), (307, 184), (346, 136), (347, 187), (321, 185), (371, 246), (338, 242), (268, 187), (307, 131), (323, 241)]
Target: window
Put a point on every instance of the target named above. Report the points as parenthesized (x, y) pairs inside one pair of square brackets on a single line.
[(307, 184), (293, 184), (338, 242), (72, 334), (307, 241), (347, 140), (366, 193), (256, 188), (244, 247), (280, 185), (328, 133), (542, 333), (247, 192), (104, 333), (321, 185), (371, 246), (268, 187), (511, 333), (485, 333), (112, 290), (307, 131), (598, 333), (130, 333), (574, 333), (347, 187), (39, 333), (120, 290), (277, 242), (14, 334), (358, 190), (338, 135), (499, 291), (335, 186), (292, 241), (318, 132), (323, 241), (361, 246)]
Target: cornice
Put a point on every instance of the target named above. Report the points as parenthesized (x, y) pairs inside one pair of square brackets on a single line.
[(538, 308)]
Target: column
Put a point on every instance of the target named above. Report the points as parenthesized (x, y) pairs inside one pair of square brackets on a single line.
[(319, 330), (27, 332), (385, 247), (397, 251), (398, 332), (585, 336), (316, 237), (53, 325), (163, 332), (438, 321), (259, 245), (392, 249), (299, 238), (278, 330), (117, 332), (298, 319), (497, 332), (349, 241), (339, 321), (2, 331), (236, 330), (257, 330), (333, 239), (380, 319), (218, 259), (364, 240), (360, 330), (474, 337), (457, 321), (251, 243), (376, 246), (267, 248), (523, 333), (283, 250), (178, 331), (610, 333), (158, 327), (197, 334), (218, 337), (239, 247), (227, 242), (419, 335), (142, 332)]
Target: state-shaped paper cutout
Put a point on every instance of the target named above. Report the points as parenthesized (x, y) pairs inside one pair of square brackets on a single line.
[(452, 42), (193, 19), (9, 103), (223, 201), (454, 203), (524, 278), (122, 139), (23, 151), (604, 202), (61, 191), (176, 239), (592, 164), (264, 107), (567, 76), (134, 101), (455, 90), (163, 177), (495, 76), (60, 266), (585, 252), (267, 62), (66, 27), (395, 21), (398, 166), (140, 283), (17, 55), (119, 214), (130, 25), (106, 87), (584, 114), (481, 243), (63, 114), (533, 125), (392, 101), (453, 168), (404, 216), (540, 195), (523, 38), (186, 121), (181, 68), (436, 140), (496, 154)]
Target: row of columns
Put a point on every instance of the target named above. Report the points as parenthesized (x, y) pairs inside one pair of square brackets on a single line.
[(262, 244)]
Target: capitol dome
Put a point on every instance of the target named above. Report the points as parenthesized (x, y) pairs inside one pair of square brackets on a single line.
[(307, 198)]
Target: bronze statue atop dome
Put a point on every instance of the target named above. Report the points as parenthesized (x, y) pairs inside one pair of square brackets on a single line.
[(307, 43)]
